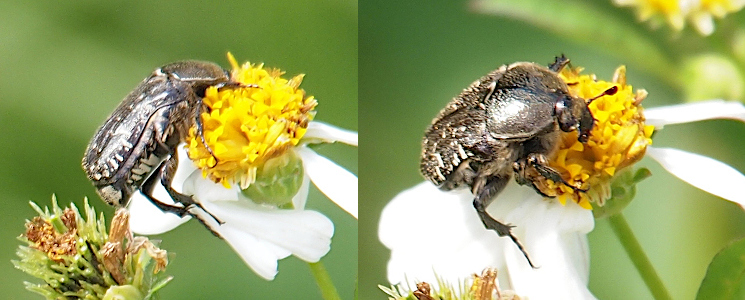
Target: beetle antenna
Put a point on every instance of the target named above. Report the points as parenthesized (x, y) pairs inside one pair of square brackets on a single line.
[(200, 132), (609, 92)]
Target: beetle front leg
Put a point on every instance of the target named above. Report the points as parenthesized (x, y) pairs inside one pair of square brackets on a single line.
[(149, 185), (147, 190), (540, 163), (523, 178), (493, 186), (166, 173)]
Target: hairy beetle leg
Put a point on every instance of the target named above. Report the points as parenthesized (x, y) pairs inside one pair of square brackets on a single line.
[(540, 163), (186, 201), (167, 171), (482, 200), (200, 132)]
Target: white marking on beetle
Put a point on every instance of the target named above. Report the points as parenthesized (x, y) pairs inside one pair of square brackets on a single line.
[(439, 160), (111, 195), (113, 163), (141, 169), (462, 152), (439, 174), (160, 96)]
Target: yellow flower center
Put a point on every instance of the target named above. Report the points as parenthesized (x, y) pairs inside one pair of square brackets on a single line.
[(245, 126), (618, 139)]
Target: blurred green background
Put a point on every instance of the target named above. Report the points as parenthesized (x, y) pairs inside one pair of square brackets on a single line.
[(416, 55), (64, 66)]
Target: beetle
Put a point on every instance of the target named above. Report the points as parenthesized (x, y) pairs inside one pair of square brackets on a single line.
[(136, 146), (507, 122)]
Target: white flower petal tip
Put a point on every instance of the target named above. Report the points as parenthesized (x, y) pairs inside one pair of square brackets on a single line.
[(329, 133), (146, 218), (335, 182), (696, 111), (256, 254), (303, 233), (702, 172)]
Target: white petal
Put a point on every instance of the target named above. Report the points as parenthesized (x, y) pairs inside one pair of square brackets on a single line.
[(146, 218), (433, 231), (255, 254), (304, 233), (697, 111), (555, 237), (299, 200), (702, 172), (185, 168), (335, 182), (205, 190), (329, 134)]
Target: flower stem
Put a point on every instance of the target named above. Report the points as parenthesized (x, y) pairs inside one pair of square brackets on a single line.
[(328, 291), (638, 257)]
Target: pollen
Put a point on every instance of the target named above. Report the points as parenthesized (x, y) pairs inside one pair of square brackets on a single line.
[(619, 138), (246, 125), (47, 239)]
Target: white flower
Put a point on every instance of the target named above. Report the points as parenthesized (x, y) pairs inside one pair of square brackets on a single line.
[(431, 232), (261, 234)]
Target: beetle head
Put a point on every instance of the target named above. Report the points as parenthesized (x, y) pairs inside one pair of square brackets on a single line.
[(573, 114)]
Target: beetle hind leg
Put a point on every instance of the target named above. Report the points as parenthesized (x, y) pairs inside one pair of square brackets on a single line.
[(483, 198)]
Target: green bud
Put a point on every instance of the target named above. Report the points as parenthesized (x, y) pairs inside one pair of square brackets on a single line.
[(277, 181), (623, 190)]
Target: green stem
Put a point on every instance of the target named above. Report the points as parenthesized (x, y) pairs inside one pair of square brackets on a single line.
[(328, 291), (638, 257)]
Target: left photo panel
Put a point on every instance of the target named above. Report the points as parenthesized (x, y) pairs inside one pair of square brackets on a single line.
[(179, 150)]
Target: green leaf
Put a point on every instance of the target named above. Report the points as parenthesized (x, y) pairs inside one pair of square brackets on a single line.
[(586, 24), (725, 278)]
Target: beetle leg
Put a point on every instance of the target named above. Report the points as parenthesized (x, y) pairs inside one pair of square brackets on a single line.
[(200, 131), (167, 171), (483, 198), (147, 190), (522, 177), (559, 63), (540, 163), (149, 185)]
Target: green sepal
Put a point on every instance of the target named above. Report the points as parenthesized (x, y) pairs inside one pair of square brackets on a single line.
[(277, 181), (623, 190)]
